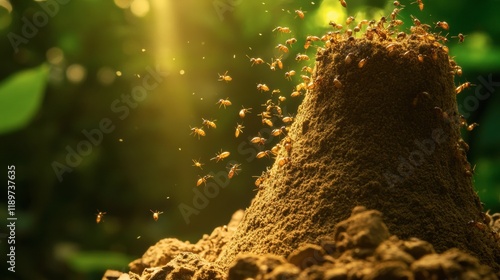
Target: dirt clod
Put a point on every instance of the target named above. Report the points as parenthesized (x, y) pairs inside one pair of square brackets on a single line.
[(383, 257)]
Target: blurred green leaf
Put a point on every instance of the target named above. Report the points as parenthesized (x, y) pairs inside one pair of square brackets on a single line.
[(20, 97), (97, 260), (487, 180), (488, 134), (477, 52)]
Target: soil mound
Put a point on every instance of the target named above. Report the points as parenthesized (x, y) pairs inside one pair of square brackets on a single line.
[(378, 127), (361, 247)]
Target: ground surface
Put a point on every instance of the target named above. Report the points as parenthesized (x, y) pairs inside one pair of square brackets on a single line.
[(360, 248)]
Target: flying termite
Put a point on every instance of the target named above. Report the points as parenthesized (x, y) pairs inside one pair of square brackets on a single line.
[(282, 29), (220, 156), (305, 78), (156, 214), (279, 131), (224, 102), (239, 129), (275, 150), (460, 36), (420, 4), (263, 154), (262, 87), (471, 126), (197, 163), (300, 13), (289, 74), (224, 77), (397, 4), (287, 119), (335, 25), (463, 86), (260, 179), (291, 41), (203, 180), (279, 62), (265, 114), (349, 20), (275, 62), (99, 216), (196, 131), (234, 169), (257, 60), (244, 111), (267, 122), (282, 48), (307, 44), (209, 123), (443, 24), (258, 140), (301, 57), (307, 69)]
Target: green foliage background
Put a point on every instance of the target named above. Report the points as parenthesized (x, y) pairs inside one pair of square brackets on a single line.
[(145, 163)]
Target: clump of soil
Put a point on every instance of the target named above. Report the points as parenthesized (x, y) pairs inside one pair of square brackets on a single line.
[(360, 247)]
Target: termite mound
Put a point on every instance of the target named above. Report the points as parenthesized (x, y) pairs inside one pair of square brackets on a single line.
[(380, 129)]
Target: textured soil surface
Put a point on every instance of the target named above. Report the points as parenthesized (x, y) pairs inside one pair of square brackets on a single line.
[(378, 127), (387, 138), (361, 247)]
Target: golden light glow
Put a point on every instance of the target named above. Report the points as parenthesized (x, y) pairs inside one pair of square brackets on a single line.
[(54, 55), (330, 11), (124, 4), (76, 73), (6, 4), (139, 8), (106, 75)]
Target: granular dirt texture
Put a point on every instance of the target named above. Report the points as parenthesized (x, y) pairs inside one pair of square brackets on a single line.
[(361, 247), (166, 250), (361, 250), (380, 129)]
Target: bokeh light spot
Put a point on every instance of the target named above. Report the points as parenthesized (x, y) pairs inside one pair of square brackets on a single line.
[(139, 7), (76, 73), (124, 4), (54, 55), (106, 75)]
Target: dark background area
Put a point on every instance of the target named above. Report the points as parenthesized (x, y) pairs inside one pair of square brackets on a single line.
[(145, 163)]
